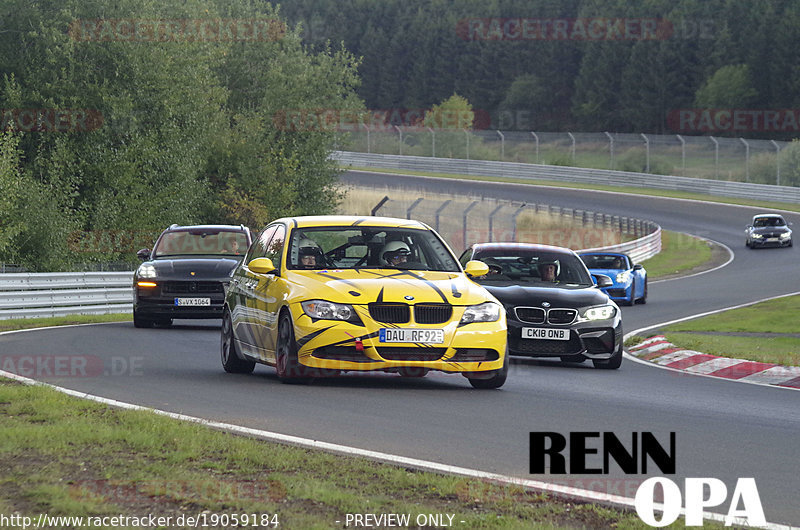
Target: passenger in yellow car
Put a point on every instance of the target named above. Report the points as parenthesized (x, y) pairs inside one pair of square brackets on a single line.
[(395, 253)]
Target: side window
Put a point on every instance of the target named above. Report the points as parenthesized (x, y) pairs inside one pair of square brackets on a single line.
[(465, 257), (259, 247), (274, 249)]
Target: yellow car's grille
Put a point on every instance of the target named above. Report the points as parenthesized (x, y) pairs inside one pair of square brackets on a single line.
[(390, 313), (398, 313), (432, 313)]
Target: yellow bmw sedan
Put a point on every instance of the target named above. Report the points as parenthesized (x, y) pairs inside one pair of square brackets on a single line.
[(318, 296)]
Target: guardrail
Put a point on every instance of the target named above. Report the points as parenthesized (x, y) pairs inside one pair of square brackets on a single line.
[(26, 295), (605, 177)]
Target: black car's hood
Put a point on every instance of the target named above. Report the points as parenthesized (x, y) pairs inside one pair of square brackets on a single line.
[(203, 268), (520, 295)]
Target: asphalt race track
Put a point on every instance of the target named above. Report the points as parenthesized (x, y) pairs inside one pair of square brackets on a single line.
[(723, 429)]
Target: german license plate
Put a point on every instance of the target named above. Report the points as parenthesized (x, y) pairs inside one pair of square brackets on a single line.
[(773, 239), (545, 333), (193, 301), (420, 336)]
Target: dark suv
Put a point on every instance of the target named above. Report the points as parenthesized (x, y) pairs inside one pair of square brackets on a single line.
[(186, 273)]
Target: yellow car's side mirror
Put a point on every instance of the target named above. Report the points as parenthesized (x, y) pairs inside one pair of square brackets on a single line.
[(476, 268), (261, 266)]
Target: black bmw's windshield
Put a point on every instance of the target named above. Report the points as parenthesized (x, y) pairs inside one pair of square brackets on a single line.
[(351, 247), (535, 267)]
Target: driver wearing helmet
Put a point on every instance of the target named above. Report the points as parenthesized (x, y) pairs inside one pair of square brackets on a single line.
[(548, 271), (395, 253), (309, 254)]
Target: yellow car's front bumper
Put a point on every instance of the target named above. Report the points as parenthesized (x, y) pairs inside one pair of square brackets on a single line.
[(349, 346)]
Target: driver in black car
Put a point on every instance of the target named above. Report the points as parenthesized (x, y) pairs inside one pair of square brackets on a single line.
[(547, 271)]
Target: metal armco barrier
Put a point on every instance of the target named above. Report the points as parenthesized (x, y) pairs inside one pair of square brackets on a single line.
[(26, 295), (740, 190)]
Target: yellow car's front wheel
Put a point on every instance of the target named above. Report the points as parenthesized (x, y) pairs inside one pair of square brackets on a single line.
[(496, 380), (287, 365)]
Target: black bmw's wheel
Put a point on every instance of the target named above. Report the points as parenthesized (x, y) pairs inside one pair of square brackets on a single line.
[(612, 363), (287, 365), (227, 347), (495, 381)]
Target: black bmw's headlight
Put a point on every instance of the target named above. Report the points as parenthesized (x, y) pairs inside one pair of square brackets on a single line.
[(600, 312)]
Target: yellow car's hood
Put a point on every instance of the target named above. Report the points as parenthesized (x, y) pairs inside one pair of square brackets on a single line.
[(388, 285)]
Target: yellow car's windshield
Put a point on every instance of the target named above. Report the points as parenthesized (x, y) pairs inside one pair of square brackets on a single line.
[(369, 247)]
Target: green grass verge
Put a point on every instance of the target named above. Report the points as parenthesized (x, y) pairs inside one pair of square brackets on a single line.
[(27, 323), (719, 335), (65, 456), (679, 253), (619, 189)]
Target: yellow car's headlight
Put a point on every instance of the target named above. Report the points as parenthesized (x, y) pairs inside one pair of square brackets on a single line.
[(485, 312), (324, 310)]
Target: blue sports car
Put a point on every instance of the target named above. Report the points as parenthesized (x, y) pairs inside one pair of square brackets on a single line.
[(630, 281)]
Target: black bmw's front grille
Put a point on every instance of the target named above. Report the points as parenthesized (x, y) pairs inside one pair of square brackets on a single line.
[(534, 315), (432, 313), (411, 354), (561, 316), (390, 313), (189, 287)]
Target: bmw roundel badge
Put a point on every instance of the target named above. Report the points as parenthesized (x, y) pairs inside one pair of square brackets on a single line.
[(545, 304), (408, 297)]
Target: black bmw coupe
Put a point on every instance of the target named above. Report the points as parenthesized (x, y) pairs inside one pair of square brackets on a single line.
[(554, 305)]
